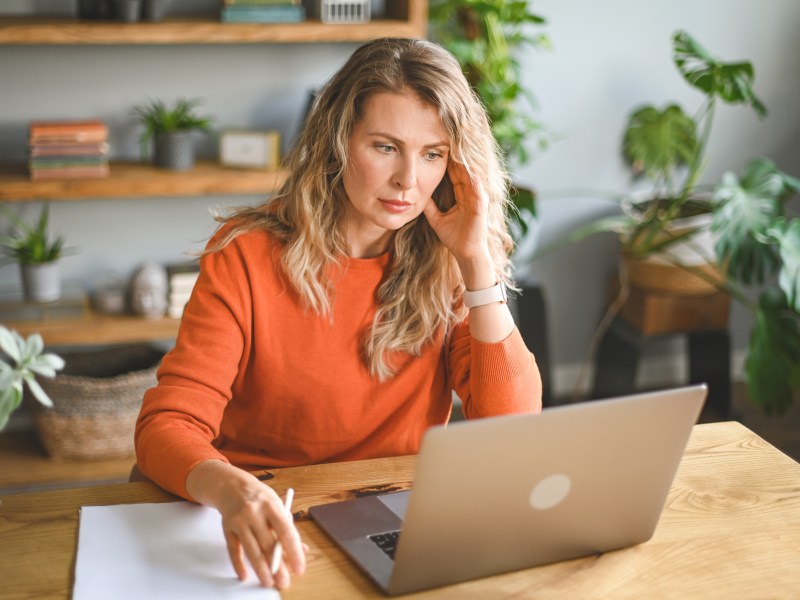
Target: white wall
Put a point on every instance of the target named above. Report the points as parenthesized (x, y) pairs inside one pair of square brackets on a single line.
[(607, 57)]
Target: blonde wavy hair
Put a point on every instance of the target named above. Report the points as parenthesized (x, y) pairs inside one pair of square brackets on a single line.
[(421, 293)]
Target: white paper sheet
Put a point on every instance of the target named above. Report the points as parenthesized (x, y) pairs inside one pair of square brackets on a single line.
[(171, 550)]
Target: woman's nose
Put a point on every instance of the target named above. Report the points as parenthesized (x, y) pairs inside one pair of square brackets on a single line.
[(405, 176)]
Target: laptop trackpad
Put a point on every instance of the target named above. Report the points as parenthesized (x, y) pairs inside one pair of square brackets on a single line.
[(397, 502)]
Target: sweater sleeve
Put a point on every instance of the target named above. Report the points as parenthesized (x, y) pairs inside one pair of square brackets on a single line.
[(493, 379), (181, 416)]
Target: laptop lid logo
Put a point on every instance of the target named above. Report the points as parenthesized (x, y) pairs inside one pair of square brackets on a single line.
[(550, 491)]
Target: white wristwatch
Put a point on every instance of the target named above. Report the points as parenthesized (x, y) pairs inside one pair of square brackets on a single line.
[(496, 293)]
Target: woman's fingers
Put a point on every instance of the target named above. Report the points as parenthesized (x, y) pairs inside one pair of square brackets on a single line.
[(286, 532), (252, 530), (235, 553), (258, 556)]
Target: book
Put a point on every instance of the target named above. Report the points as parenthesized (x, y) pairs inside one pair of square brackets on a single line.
[(178, 297), (69, 139), (183, 272), (263, 14), (82, 172), (45, 132), (89, 149), (175, 312), (51, 162)]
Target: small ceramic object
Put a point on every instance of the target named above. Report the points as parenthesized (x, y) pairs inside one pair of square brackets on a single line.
[(110, 296), (149, 291)]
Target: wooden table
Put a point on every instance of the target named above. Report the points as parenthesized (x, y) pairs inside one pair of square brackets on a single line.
[(730, 529)]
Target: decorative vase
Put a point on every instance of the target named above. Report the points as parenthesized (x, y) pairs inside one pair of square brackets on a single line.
[(41, 282), (149, 291), (174, 151)]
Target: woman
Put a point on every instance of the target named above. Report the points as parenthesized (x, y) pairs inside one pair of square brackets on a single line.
[(333, 322)]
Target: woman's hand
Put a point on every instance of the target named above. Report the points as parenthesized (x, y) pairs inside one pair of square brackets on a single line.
[(253, 520), (464, 228)]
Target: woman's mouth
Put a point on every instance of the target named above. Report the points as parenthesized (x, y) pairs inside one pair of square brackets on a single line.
[(396, 206)]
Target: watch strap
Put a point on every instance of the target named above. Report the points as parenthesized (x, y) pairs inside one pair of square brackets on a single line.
[(496, 293)]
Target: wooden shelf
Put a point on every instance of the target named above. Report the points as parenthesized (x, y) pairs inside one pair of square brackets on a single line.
[(25, 467), (411, 21), (97, 329), (137, 180), (405, 18)]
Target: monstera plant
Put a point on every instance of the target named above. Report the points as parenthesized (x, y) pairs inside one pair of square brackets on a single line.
[(755, 249)]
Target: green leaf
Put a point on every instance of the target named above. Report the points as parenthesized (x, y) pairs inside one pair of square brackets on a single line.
[(730, 82), (33, 348), (157, 117), (744, 210), (773, 361), (484, 35), (49, 361), (9, 345), (657, 142), (787, 234), (29, 361), (31, 245), (37, 390), (10, 399)]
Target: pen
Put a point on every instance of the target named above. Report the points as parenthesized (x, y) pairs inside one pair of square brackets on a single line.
[(277, 551)]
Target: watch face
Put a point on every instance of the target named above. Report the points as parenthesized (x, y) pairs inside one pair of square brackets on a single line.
[(250, 149)]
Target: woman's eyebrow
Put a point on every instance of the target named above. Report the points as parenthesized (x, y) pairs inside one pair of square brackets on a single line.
[(398, 142)]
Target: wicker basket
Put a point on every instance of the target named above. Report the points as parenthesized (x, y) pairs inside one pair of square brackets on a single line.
[(96, 400)]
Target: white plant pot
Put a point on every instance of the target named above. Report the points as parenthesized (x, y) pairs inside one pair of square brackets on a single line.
[(696, 249), (660, 272), (41, 282)]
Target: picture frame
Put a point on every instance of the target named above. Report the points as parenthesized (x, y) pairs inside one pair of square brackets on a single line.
[(250, 149)]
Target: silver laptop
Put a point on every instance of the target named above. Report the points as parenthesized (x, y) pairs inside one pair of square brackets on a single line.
[(506, 493)]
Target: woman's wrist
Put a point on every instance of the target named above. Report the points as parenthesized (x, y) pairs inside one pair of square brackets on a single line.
[(478, 273), (206, 481)]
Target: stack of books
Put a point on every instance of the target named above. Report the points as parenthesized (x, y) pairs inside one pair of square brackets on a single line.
[(68, 149), (181, 278), (262, 11)]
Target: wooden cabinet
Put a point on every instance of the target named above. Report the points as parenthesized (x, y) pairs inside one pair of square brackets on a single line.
[(405, 18)]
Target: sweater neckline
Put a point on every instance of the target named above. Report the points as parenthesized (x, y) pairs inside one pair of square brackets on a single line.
[(375, 263)]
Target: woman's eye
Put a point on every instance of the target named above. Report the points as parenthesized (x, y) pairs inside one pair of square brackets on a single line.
[(385, 148), (431, 156)]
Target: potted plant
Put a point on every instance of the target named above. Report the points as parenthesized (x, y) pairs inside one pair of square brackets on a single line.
[(484, 36), (171, 129), (755, 246), (37, 255), (26, 362)]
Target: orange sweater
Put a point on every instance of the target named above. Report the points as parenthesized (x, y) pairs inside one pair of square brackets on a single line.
[(257, 380)]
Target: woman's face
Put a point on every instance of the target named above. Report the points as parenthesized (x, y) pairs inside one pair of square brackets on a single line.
[(398, 154)]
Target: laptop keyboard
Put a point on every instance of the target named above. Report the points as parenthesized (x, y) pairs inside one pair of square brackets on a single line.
[(386, 542)]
